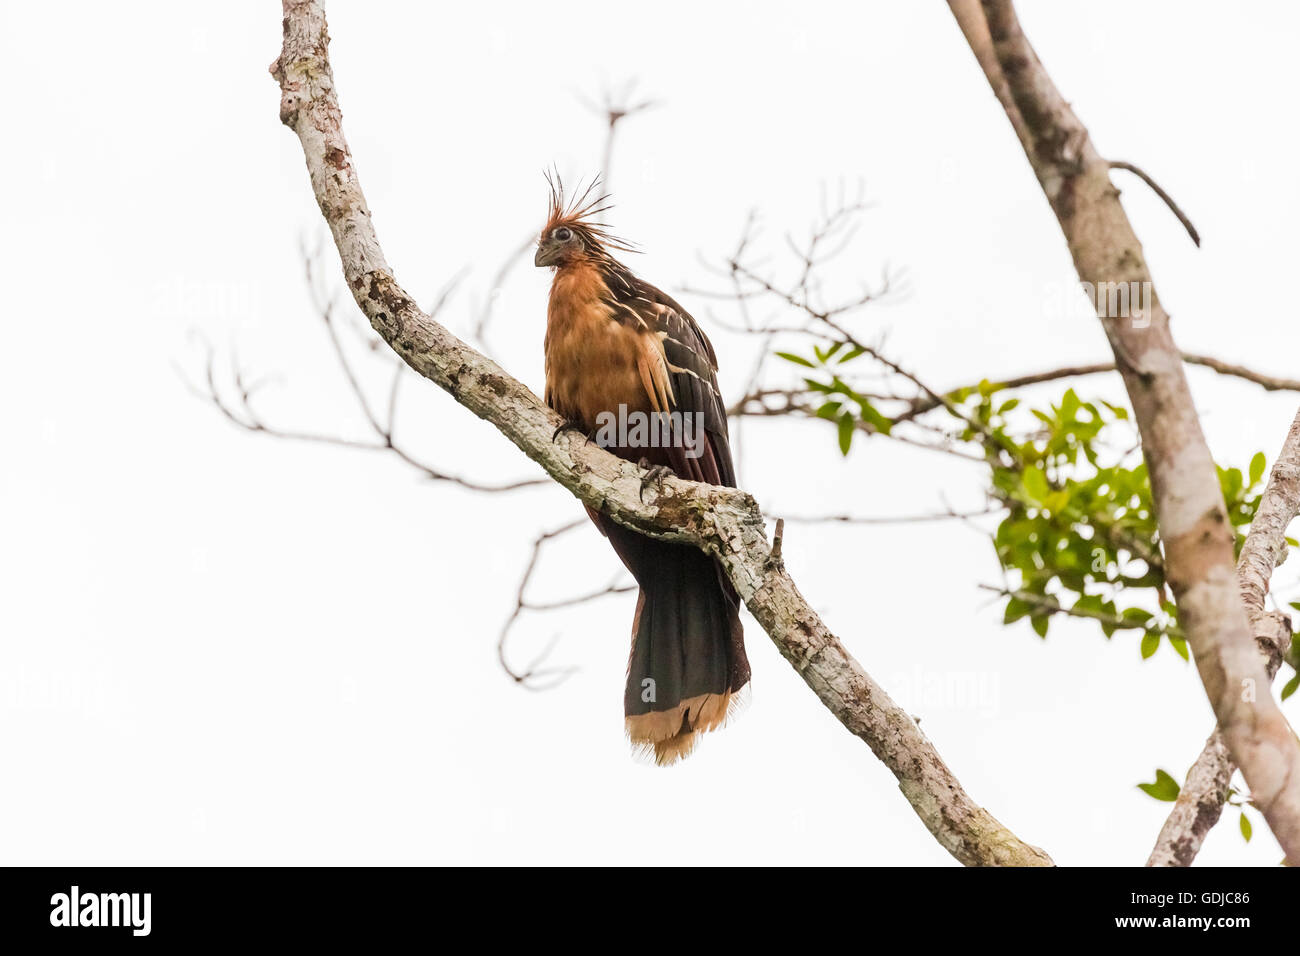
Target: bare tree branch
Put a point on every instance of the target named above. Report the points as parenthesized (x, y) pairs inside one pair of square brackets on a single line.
[(1270, 383), (242, 413), (825, 323), (534, 676), (821, 321), (616, 106), (485, 311), (1195, 530), (1265, 547), (723, 521), (1159, 191), (948, 515), (762, 402)]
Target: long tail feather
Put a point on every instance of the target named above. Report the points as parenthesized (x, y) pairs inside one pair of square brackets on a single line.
[(688, 660)]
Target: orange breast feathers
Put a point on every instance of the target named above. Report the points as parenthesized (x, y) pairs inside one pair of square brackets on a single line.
[(594, 361)]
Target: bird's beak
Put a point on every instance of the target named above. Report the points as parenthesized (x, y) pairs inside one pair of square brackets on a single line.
[(544, 256)]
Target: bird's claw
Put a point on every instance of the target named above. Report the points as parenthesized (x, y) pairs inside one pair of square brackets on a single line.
[(566, 427), (654, 475)]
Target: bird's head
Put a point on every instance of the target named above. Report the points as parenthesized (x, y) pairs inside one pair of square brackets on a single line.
[(571, 233), (559, 246)]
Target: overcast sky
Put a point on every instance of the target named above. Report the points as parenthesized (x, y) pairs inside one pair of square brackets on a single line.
[(219, 648)]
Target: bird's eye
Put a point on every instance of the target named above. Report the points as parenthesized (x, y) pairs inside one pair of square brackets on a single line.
[(563, 234)]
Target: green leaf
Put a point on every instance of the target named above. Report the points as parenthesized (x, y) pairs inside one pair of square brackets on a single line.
[(846, 433), (830, 411), (1291, 686), (1150, 643), (1040, 625), (1179, 644), (1089, 602), (1016, 609), (1057, 500), (1035, 484), (817, 386), (1245, 826), (824, 355), (796, 359), (877, 421), (1232, 481), (1256, 473), (1164, 788)]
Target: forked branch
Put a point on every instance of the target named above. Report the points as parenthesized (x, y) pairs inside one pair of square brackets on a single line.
[(723, 521), (1194, 527)]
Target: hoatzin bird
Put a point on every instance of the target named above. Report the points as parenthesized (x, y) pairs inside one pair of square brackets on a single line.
[(617, 346)]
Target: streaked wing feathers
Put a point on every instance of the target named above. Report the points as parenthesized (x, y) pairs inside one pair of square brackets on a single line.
[(692, 366)]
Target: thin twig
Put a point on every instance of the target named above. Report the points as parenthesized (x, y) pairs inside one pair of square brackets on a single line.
[(1168, 199)]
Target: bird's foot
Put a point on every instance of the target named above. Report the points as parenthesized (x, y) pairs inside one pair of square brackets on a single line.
[(654, 475)]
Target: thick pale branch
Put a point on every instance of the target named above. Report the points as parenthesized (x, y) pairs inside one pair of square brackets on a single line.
[(726, 522), (1265, 547), (1194, 526), (1204, 792)]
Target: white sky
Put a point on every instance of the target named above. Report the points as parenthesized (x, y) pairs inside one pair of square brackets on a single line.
[(218, 648)]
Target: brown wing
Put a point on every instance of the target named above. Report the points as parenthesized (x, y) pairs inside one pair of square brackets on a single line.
[(692, 372)]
